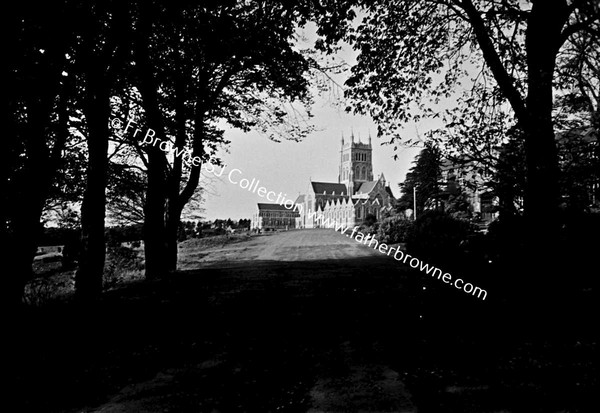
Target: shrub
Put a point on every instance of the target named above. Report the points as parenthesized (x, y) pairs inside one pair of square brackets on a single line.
[(122, 264), (369, 225), (437, 237), (506, 237), (394, 229)]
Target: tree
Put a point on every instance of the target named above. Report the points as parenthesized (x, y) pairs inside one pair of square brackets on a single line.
[(36, 103), (457, 203), (245, 73), (103, 25), (413, 54), (244, 224), (426, 176)]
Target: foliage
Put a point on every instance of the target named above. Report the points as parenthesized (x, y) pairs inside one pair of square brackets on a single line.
[(122, 264), (369, 225), (458, 205), (126, 193), (370, 220), (56, 236), (436, 237), (244, 224), (425, 175), (579, 156), (187, 229), (420, 55), (474, 69), (578, 68), (124, 233), (394, 229), (505, 236), (508, 175), (415, 57), (579, 163)]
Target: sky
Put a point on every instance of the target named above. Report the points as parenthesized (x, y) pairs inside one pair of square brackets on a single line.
[(289, 166)]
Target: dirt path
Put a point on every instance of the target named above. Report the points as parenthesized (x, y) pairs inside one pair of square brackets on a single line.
[(292, 264), (289, 246)]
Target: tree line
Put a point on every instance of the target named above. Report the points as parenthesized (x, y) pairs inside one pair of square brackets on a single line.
[(484, 70), (181, 68)]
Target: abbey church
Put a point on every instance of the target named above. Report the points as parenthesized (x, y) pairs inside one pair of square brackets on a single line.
[(351, 199)]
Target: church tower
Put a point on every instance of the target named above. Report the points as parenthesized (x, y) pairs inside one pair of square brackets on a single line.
[(356, 165)]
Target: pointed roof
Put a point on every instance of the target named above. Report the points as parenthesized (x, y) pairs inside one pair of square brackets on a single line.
[(390, 193), (273, 207), (366, 187), (329, 188)]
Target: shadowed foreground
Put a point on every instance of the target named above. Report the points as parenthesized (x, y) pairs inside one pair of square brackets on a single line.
[(298, 321)]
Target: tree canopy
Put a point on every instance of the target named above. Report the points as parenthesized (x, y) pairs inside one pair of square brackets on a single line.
[(477, 68)]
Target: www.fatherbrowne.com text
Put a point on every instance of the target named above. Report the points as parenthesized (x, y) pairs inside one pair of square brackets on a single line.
[(399, 255)]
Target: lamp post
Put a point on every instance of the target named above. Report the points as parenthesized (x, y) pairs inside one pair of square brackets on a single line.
[(415, 203)]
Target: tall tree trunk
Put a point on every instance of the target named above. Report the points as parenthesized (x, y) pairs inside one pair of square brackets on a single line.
[(543, 40), (175, 204), (88, 281), (154, 217), (21, 243), (172, 231), (27, 192), (177, 200), (156, 192), (534, 113), (542, 195)]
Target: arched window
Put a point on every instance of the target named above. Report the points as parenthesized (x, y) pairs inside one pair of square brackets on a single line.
[(364, 172)]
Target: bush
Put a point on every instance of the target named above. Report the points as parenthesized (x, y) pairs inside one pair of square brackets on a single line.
[(394, 229), (122, 264), (437, 237), (369, 225), (58, 236), (506, 238)]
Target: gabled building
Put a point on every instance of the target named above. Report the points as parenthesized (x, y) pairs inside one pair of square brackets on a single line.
[(270, 217), (350, 200)]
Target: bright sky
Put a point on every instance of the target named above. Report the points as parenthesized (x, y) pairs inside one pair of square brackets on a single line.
[(288, 166)]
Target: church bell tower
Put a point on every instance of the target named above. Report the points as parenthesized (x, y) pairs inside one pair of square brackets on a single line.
[(356, 165)]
